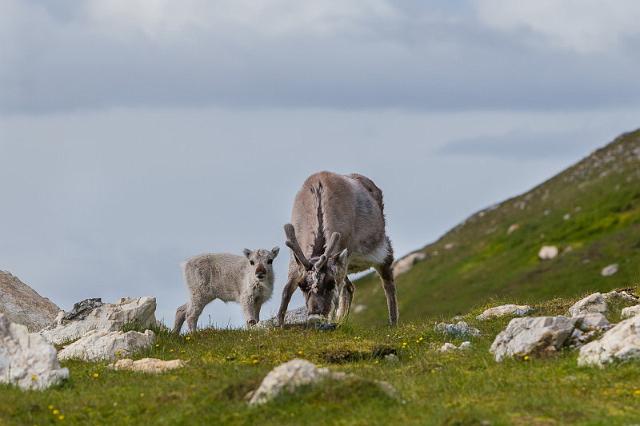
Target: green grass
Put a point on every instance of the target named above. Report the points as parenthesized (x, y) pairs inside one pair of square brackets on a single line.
[(434, 388), (602, 196)]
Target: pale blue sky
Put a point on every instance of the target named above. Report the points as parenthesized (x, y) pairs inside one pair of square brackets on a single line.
[(136, 133)]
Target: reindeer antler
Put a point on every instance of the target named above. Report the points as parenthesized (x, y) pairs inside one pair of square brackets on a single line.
[(332, 245), (329, 250), (292, 243)]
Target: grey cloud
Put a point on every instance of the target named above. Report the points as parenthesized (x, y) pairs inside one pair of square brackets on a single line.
[(430, 57)]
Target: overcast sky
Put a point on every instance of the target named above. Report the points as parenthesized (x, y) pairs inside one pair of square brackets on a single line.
[(136, 133)]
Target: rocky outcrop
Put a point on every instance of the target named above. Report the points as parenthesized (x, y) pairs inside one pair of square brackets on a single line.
[(598, 302), (621, 343), (22, 305), (288, 377), (26, 359), (405, 264), (539, 336), (504, 310), (148, 365), (92, 315), (460, 329), (532, 336), (100, 345)]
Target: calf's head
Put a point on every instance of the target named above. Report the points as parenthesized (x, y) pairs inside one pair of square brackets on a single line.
[(323, 274), (261, 262)]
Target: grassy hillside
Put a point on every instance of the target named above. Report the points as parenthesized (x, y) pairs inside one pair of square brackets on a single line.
[(591, 212), (466, 387)]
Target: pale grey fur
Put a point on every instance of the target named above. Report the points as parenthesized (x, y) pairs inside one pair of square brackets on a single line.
[(246, 279), (352, 207)]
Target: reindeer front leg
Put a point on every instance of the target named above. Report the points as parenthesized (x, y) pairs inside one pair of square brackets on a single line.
[(248, 309), (345, 298), (287, 292)]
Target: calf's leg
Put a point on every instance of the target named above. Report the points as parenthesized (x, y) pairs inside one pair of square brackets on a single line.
[(194, 310), (181, 314)]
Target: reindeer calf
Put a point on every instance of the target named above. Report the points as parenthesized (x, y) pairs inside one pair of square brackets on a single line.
[(246, 279)]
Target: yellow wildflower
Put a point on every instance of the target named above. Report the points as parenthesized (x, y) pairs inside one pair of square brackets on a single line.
[(50, 407), (95, 375), (56, 412), (61, 417), (636, 392)]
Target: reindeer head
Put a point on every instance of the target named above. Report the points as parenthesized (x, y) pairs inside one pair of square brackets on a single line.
[(323, 274), (261, 262)]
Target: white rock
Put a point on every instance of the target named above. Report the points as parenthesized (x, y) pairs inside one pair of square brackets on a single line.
[(593, 321), (621, 343), (359, 308), (296, 316), (609, 270), (26, 359), (449, 246), (100, 345), (147, 365), (288, 377), (532, 336), (594, 303), (391, 358), (500, 311), (107, 317), (464, 346), (459, 329), (548, 252), (631, 311), (22, 305), (405, 264), (447, 347), (513, 228)]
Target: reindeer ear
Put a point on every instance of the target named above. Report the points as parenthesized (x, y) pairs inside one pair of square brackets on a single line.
[(320, 263), (343, 257), (247, 253), (275, 251)]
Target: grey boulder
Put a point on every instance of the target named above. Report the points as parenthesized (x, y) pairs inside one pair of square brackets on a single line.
[(92, 316), (22, 305), (100, 345), (290, 376), (26, 359), (532, 336), (620, 343)]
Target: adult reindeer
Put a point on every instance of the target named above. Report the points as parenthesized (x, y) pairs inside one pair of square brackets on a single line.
[(337, 227)]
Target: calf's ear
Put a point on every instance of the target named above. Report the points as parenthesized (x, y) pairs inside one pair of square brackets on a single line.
[(247, 253), (275, 251)]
